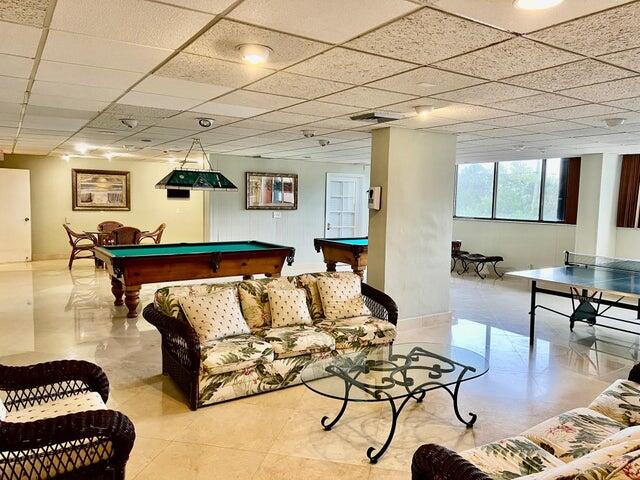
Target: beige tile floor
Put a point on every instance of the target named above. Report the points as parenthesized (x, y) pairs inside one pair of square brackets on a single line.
[(47, 312)]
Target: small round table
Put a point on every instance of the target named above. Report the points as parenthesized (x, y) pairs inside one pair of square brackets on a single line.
[(394, 374)]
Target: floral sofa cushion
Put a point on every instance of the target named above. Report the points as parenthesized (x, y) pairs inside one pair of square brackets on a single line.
[(573, 434), (511, 458), (359, 331), (167, 299), (596, 457), (309, 281), (620, 401), (255, 299), (625, 467), (625, 435), (234, 353), (297, 340)]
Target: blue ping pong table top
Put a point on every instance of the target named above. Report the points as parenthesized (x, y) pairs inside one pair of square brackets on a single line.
[(601, 279)]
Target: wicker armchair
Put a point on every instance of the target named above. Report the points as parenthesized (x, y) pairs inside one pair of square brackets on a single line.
[(156, 235), (126, 236), (91, 444), (80, 243), (109, 226), (435, 462), (181, 346)]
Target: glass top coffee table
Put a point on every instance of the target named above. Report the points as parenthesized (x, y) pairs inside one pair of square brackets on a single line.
[(394, 374)]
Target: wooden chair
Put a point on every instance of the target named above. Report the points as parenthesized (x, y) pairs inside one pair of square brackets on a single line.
[(109, 226), (156, 235), (80, 243), (54, 424), (126, 236)]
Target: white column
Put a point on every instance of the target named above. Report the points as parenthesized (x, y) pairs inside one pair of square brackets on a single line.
[(597, 204), (410, 237)]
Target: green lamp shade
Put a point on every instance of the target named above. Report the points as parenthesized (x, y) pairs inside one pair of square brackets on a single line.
[(183, 179)]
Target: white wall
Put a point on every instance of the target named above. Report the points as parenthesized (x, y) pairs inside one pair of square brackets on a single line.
[(229, 220), (628, 243), (521, 244)]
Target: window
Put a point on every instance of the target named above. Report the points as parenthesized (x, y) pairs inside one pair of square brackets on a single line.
[(518, 192), (474, 193), (526, 190)]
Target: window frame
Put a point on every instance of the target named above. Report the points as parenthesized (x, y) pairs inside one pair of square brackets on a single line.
[(540, 219)]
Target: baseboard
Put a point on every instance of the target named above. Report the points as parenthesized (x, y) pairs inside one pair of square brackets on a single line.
[(424, 321)]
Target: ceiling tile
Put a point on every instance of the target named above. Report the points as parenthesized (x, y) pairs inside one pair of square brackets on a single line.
[(486, 94), (176, 87), (571, 113), (349, 66), (335, 124), (260, 125), (536, 103), (134, 21), (469, 112), (425, 81), (100, 52), (627, 59), (219, 108), (366, 97), (416, 121), (67, 102), (12, 89), (223, 38), (58, 111), (501, 132), (159, 101), (551, 127), (333, 21), (53, 123), (501, 14), (19, 40), (288, 118), (14, 66), (25, 12), (507, 59), (256, 99), (76, 91), (464, 127), (322, 109), (208, 6), (140, 112), (427, 36), (189, 120), (609, 31), (607, 91), (599, 121), (283, 83), (628, 103), (576, 74), (85, 75), (515, 121), (408, 107), (200, 69)]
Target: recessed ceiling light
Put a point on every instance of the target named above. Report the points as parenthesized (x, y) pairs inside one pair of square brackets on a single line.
[(66, 158), (614, 122), (82, 148), (254, 54), (536, 4), (423, 110), (109, 155)]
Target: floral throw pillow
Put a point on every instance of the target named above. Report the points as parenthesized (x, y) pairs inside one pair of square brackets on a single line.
[(254, 299), (215, 316), (342, 297), (309, 281), (288, 307)]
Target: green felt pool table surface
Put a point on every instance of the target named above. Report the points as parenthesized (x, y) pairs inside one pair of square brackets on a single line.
[(362, 242), (187, 248)]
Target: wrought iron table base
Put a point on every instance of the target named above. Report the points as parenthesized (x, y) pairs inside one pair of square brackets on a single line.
[(418, 394)]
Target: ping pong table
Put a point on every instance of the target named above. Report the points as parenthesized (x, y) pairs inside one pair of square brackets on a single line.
[(588, 277)]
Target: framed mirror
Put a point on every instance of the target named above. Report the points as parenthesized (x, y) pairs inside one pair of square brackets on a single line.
[(272, 191)]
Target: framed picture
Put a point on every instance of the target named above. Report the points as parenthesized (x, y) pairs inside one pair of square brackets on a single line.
[(100, 190), (272, 191)]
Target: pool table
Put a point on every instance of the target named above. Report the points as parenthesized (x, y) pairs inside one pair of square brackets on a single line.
[(131, 266), (352, 251)]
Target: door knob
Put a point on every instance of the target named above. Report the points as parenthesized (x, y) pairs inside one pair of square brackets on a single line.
[(328, 226), (26, 219)]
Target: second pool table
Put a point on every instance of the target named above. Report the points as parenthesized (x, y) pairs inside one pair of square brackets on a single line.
[(131, 266), (352, 251)]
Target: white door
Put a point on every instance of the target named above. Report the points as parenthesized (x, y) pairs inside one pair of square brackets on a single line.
[(345, 198), (15, 218)]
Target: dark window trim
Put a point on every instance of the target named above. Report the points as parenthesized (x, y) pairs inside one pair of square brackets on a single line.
[(493, 216)]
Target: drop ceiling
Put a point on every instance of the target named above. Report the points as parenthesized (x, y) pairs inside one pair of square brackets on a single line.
[(509, 83)]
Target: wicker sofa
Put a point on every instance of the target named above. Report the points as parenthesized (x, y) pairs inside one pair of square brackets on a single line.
[(595, 443), (267, 358)]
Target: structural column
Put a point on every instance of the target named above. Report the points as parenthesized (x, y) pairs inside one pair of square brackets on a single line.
[(410, 236), (597, 204)]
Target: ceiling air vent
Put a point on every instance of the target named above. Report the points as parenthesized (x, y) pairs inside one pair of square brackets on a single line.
[(377, 117)]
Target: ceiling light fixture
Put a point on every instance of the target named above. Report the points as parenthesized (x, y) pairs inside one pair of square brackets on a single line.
[(308, 133), (614, 122), (423, 110), (109, 155), (66, 158), (536, 4), (205, 122), (323, 142), (82, 148), (129, 122), (253, 53)]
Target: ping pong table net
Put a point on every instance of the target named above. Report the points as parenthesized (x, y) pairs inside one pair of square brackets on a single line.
[(599, 261)]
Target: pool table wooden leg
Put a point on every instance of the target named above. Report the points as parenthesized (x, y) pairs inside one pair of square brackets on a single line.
[(331, 266), (118, 290), (359, 272), (132, 299)]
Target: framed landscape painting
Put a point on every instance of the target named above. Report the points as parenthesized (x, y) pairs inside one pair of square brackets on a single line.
[(272, 191), (100, 190)]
